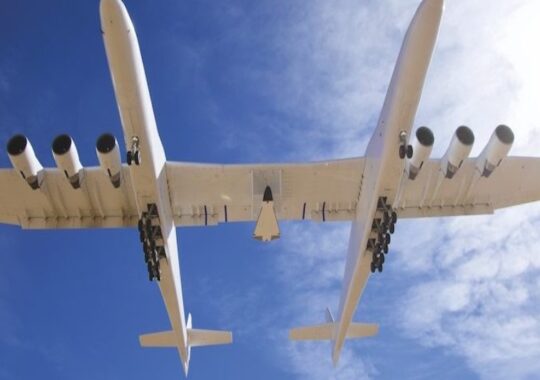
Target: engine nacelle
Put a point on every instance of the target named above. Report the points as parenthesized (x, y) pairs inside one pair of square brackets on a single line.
[(459, 149), (22, 157), (495, 151), (108, 154), (67, 159), (422, 146)]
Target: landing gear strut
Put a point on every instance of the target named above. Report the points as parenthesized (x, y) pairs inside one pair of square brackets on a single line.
[(134, 155)]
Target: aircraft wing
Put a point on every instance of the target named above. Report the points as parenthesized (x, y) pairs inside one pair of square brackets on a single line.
[(57, 205), (514, 182), (205, 194)]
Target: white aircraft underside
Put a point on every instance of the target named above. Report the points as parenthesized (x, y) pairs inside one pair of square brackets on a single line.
[(395, 178)]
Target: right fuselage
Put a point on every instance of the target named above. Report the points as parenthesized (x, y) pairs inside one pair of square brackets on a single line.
[(384, 167)]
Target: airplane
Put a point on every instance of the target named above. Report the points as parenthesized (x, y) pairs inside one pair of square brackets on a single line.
[(396, 178)]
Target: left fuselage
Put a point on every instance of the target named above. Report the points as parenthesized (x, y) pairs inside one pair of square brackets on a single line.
[(149, 178)]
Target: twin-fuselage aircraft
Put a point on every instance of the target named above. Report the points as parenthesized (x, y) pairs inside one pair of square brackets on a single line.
[(394, 179)]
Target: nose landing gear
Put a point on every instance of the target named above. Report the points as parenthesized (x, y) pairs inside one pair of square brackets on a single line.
[(404, 148), (134, 155)]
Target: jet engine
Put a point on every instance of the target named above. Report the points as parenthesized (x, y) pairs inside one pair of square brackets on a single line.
[(459, 149), (109, 157), (22, 157), (495, 151), (67, 159), (421, 150)]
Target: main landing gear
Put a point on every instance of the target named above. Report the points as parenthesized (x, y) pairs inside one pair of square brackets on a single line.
[(152, 241), (134, 155), (404, 148), (381, 228)]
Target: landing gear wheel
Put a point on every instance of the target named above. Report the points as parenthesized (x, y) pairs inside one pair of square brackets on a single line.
[(140, 225), (394, 217), (150, 271), (380, 267), (381, 259), (372, 267), (392, 228), (409, 151), (137, 157), (129, 157), (385, 248), (402, 151), (387, 239)]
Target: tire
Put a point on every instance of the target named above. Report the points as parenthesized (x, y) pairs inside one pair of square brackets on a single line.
[(380, 267), (140, 225), (381, 260), (150, 271), (391, 228), (129, 157), (386, 218), (137, 158), (388, 239), (385, 248), (402, 152), (409, 151), (394, 217)]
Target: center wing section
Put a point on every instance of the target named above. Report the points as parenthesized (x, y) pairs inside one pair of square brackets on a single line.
[(207, 194)]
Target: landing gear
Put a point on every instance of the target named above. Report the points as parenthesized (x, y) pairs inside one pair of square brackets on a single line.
[(134, 155), (409, 151), (404, 148), (152, 241), (382, 227)]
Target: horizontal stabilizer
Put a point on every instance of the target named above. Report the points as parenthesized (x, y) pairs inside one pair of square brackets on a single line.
[(317, 332), (198, 337), (325, 331), (159, 339)]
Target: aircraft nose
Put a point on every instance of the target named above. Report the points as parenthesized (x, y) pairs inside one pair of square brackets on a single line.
[(113, 12), (437, 4), (109, 7)]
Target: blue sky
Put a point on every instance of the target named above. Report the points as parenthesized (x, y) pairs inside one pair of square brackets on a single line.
[(241, 81)]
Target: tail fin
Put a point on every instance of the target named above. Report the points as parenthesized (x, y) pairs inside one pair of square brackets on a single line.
[(195, 338)]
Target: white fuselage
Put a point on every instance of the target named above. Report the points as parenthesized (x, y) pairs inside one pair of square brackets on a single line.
[(384, 168), (149, 179)]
